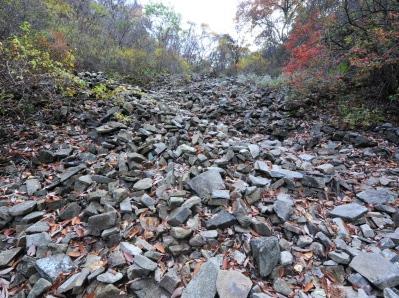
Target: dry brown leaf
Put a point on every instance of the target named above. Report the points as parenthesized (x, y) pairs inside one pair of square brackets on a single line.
[(159, 247)]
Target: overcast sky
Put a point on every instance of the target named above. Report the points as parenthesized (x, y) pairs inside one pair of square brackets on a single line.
[(218, 14)]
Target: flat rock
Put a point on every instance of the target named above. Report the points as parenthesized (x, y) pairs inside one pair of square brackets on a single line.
[(203, 283), (76, 281), (131, 249), (377, 196), (32, 186), (350, 211), (378, 270), (221, 220), (110, 277), (283, 206), (143, 184), (266, 253), (51, 267), (6, 256), (22, 208), (233, 284), (206, 183), (110, 127)]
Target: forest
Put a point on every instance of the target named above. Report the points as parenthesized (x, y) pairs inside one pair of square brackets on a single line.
[(143, 154)]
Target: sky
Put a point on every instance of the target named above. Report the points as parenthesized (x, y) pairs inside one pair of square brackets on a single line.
[(218, 14)]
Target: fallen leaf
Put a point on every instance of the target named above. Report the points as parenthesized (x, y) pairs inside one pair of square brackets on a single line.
[(159, 247), (308, 287)]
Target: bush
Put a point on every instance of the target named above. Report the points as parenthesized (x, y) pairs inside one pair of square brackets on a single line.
[(30, 74)]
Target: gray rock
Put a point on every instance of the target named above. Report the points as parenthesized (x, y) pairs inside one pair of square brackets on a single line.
[(283, 206), (38, 240), (179, 216), (147, 288), (41, 226), (110, 277), (6, 256), (203, 283), (145, 263), (143, 184), (350, 211), (130, 249), (254, 150), (286, 258), (259, 181), (110, 127), (51, 267), (378, 270), (233, 284), (314, 181), (282, 287), (170, 281), (40, 286), (22, 208), (277, 172), (266, 253), (101, 222), (221, 220), (340, 257), (367, 231), (180, 233), (207, 182), (76, 281), (377, 196), (70, 211), (32, 186), (70, 172), (391, 293)]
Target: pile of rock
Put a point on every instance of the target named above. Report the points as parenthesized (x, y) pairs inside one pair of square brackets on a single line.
[(211, 189)]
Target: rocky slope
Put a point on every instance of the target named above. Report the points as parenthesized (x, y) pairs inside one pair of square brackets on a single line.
[(200, 188)]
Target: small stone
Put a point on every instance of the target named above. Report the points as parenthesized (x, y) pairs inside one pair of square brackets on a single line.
[(327, 168), (340, 257), (283, 206), (41, 286), (282, 287), (254, 150), (101, 222), (110, 127), (38, 240), (180, 233), (207, 182), (378, 270), (233, 284), (350, 211), (259, 181), (377, 196), (51, 267), (143, 184), (76, 281), (221, 220), (179, 216), (110, 277), (145, 263), (286, 258), (41, 226), (70, 211), (170, 281), (203, 283), (179, 249), (32, 186), (367, 231), (266, 252), (304, 241), (130, 249), (6, 256), (22, 208)]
